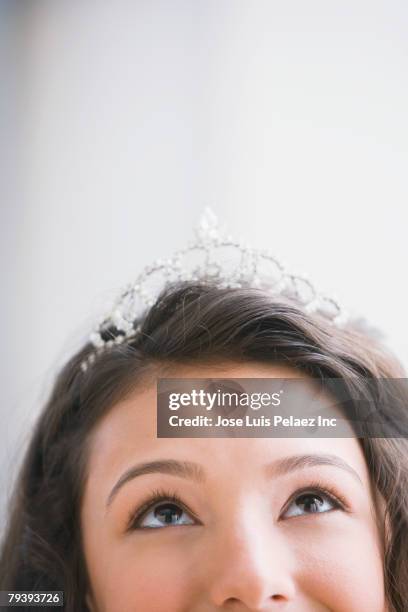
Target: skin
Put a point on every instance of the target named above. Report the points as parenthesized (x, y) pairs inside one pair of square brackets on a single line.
[(236, 545)]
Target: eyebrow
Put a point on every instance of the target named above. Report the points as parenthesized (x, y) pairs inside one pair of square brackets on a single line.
[(195, 472), (297, 462), (184, 469)]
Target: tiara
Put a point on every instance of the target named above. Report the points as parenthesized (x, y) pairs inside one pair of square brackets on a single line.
[(211, 257)]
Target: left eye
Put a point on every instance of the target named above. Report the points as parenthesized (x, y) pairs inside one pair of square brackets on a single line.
[(310, 503), (164, 515)]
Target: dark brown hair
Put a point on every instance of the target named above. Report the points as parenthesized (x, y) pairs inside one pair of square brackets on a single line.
[(190, 323)]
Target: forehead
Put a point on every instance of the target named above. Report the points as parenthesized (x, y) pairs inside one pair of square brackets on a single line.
[(127, 433)]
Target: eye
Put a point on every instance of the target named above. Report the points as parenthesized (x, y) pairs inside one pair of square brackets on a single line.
[(311, 502), (165, 514), (161, 511)]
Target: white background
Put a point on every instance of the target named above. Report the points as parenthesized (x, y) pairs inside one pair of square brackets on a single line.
[(121, 120)]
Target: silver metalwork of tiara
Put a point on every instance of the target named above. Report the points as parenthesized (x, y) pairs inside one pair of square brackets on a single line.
[(213, 258)]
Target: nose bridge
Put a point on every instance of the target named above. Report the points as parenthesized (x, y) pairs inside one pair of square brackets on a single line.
[(251, 563)]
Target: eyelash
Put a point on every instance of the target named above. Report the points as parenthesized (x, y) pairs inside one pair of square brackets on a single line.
[(164, 495), (319, 488), (156, 496)]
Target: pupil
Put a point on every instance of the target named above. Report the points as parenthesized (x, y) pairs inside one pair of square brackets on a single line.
[(166, 512), (311, 503)]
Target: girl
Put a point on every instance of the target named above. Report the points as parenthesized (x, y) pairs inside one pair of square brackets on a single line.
[(122, 521)]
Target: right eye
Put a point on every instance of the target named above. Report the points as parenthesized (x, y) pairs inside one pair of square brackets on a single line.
[(165, 515), (161, 511)]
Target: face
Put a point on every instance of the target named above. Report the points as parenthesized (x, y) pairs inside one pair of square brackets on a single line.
[(233, 532)]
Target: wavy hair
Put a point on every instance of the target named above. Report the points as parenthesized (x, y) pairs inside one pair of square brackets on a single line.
[(189, 323)]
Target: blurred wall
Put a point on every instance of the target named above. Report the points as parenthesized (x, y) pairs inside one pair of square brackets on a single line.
[(121, 120)]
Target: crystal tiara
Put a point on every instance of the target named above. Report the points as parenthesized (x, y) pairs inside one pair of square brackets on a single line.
[(210, 257)]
